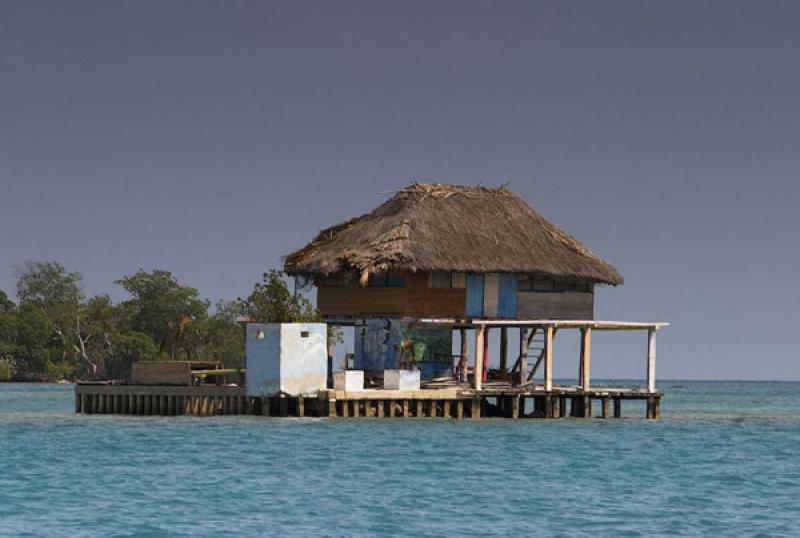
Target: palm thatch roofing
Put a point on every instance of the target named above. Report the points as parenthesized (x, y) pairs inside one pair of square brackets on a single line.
[(438, 227)]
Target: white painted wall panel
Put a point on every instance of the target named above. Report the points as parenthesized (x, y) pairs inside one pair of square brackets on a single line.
[(491, 291), (286, 357)]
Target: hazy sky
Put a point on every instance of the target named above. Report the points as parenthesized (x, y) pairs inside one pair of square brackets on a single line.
[(211, 138)]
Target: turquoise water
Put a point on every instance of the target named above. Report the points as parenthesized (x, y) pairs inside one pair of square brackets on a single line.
[(723, 461)]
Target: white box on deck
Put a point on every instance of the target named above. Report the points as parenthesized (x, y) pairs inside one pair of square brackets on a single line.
[(401, 379), (349, 380), (289, 358)]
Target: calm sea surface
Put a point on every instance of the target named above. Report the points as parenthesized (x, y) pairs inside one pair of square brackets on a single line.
[(723, 461)]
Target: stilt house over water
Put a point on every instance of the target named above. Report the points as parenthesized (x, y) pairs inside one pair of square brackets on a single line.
[(436, 250), (432, 262), (435, 257)]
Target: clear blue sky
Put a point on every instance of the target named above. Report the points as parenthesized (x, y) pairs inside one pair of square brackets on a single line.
[(211, 138)]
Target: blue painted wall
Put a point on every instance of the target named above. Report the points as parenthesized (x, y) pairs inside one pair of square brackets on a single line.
[(377, 346), (507, 297), (474, 303)]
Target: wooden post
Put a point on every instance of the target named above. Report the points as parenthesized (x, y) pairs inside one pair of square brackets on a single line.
[(651, 361), (301, 406), (283, 406), (523, 355), (503, 349), (586, 357), (604, 407), (479, 358), (617, 407), (548, 359), (587, 407), (515, 406), (475, 408), (462, 364), (550, 410), (330, 346)]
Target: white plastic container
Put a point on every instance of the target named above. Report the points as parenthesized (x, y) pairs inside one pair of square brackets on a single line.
[(349, 380), (401, 379)]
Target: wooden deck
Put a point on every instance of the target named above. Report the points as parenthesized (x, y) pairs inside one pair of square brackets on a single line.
[(453, 402)]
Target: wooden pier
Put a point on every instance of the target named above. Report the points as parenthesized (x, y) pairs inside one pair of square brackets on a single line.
[(525, 397), (455, 403)]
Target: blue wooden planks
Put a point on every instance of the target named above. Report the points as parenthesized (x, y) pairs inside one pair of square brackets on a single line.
[(474, 303), (507, 296)]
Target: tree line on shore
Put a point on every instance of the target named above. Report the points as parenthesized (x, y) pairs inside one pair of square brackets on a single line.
[(54, 331)]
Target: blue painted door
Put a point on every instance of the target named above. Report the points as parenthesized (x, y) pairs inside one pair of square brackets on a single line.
[(507, 296), (474, 308)]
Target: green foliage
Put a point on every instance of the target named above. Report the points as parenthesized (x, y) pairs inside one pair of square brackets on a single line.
[(162, 308), (124, 349), (272, 302), (56, 332), (26, 341), (6, 369), (218, 337), (57, 294), (50, 287), (6, 304)]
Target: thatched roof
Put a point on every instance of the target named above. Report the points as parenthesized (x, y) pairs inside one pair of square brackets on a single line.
[(437, 227)]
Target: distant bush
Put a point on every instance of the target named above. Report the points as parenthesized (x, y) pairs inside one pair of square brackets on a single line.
[(6, 370)]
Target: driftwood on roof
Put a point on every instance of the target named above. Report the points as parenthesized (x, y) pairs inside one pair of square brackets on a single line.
[(438, 227)]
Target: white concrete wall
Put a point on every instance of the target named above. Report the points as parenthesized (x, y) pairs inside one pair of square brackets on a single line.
[(290, 358), (304, 358)]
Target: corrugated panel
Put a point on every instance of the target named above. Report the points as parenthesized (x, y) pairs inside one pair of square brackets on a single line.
[(507, 297), (491, 291), (474, 306)]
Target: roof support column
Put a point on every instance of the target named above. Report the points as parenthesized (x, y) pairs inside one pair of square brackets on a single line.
[(651, 360), (503, 349), (462, 364), (548, 358), (480, 331), (523, 355), (586, 357)]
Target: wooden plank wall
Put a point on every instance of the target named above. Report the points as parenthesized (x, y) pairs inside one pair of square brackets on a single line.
[(161, 373), (420, 300), (358, 301), (564, 305)]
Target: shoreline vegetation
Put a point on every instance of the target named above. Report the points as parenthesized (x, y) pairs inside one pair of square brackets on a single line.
[(54, 333)]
